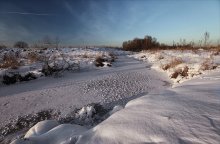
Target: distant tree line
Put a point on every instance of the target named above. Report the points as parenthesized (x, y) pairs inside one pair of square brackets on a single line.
[(46, 42), (149, 43), (139, 44)]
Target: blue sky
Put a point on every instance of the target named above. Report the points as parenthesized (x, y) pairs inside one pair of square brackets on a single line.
[(108, 22)]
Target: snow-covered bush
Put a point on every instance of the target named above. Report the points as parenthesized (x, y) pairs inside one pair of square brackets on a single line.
[(183, 72), (57, 67), (11, 78), (51, 61), (27, 77), (99, 61), (47, 70)]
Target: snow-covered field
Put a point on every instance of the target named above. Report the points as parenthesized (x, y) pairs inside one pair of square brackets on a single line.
[(125, 80), (138, 105), (51, 61), (181, 65), (188, 113)]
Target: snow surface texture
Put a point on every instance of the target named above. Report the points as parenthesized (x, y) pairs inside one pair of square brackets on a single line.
[(173, 62), (125, 80), (188, 113), (117, 85)]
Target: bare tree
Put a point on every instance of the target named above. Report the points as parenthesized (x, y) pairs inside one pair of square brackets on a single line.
[(206, 38), (218, 43), (47, 42), (200, 43), (57, 41), (184, 42), (21, 44)]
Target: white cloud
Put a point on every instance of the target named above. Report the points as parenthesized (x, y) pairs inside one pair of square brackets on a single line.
[(27, 13)]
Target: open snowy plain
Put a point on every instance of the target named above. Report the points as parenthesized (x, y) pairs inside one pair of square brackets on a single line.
[(147, 97)]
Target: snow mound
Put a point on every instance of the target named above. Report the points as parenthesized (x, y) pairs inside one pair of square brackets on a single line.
[(115, 109), (41, 128), (188, 113), (62, 134)]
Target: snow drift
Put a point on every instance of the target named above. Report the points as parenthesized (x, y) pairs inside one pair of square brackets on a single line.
[(188, 113)]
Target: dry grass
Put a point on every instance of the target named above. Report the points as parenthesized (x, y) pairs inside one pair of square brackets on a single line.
[(33, 57), (174, 62), (182, 72), (185, 71), (175, 74), (10, 61), (208, 65)]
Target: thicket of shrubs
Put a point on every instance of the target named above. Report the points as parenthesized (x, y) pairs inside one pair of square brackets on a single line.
[(150, 43), (138, 44), (172, 64), (57, 69)]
